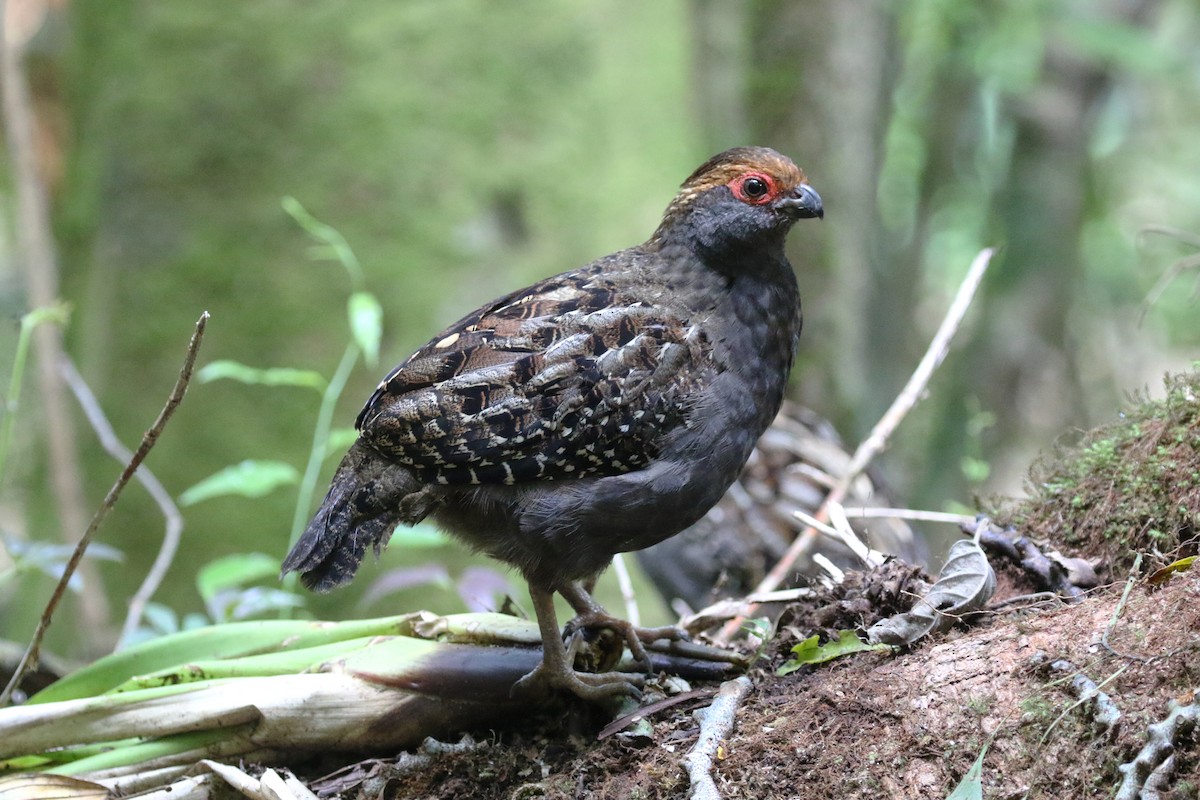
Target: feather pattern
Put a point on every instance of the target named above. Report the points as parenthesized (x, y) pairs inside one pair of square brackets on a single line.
[(565, 379)]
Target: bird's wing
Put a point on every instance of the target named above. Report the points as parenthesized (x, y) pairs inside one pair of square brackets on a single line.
[(563, 379)]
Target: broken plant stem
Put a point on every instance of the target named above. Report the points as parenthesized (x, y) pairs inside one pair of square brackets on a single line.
[(877, 440), (30, 659), (627, 594), (1134, 572), (174, 520)]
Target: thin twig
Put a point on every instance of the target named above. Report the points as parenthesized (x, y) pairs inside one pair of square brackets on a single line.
[(836, 573), (174, 520), (30, 659), (859, 512), (1134, 571), (1105, 713), (644, 712), (627, 594), (841, 532), (877, 440), (1175, 270), (722, 610)]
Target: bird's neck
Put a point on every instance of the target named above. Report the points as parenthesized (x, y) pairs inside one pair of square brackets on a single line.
[(753, 287)]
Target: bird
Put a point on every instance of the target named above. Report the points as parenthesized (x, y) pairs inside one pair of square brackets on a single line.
[(598, 411), (792, 468)]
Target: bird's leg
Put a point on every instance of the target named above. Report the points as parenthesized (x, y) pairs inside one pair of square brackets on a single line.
[(590, 614), (558, 669)]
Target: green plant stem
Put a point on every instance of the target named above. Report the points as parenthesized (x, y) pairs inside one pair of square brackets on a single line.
[(316, 456), (55, 314)]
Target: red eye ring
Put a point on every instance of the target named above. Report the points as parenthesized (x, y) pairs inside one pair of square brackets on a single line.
[(755, 188)]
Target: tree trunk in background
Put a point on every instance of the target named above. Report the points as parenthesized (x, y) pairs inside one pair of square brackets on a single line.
[(1022, 358), (37, 253), (719, 63), (823, 92), (893, 114)]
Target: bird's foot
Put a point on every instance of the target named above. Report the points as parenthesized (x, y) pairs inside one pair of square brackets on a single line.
[(635, 637), (595, 687)]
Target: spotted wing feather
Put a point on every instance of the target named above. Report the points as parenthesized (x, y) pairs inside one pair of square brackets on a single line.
[(564, 379)]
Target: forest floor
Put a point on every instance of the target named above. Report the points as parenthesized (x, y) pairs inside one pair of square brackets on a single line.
[(875, 725), (1055, 695)]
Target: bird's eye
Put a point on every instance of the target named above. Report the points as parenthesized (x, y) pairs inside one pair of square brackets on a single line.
[(754, 187)]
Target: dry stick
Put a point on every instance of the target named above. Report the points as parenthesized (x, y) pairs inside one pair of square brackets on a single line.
[(883, 429), (174, 520), (716, 725), (872, 512), (30, 659)]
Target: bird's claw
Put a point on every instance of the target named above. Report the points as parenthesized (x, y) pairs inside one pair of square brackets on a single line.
[(594, 687), (635, 637)]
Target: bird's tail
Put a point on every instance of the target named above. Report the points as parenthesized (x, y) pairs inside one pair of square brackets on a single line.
[(362, 507)]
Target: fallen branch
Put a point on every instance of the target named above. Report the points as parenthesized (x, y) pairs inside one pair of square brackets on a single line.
[(877, 440), (914, 514), (1101, 708), (1156, 761), (716, 725), (30, 659)]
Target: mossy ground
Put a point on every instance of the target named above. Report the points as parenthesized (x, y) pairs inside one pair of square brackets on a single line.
[(1130, 486)]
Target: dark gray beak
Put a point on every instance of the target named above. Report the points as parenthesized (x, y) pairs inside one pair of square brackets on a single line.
[(803, 203)]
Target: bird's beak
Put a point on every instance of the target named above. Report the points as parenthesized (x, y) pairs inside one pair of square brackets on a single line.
[(803, 203)]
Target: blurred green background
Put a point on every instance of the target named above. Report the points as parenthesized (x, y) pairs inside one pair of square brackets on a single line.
[(465, 147)]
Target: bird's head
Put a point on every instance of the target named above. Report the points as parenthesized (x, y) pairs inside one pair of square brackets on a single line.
[(747, 197)]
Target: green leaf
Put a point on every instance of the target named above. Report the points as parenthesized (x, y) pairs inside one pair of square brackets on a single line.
[(274, 376), (333, 245), (161, 619), (1164, 574), (1128, 47), (248, 479), (975, 470), (366, 324), (971, 786), (233, 640), (234, 572), (259, 601), (810, 651)]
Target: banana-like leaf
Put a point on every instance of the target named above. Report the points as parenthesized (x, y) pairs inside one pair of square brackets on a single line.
[(366, 693), (232, 640), (268, 691)]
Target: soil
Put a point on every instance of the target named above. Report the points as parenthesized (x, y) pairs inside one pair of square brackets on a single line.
[(877, 725), (911, 724)]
